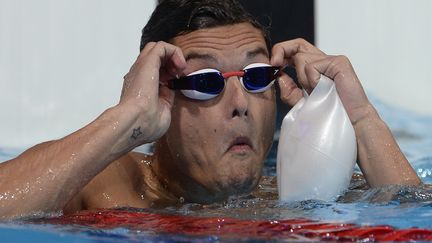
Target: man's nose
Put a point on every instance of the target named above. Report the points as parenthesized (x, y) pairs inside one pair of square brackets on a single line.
[(238, 97)]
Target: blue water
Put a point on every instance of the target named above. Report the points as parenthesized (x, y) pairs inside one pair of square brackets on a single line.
[(407, 206)]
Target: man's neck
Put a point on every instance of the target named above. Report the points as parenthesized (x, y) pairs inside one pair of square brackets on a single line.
[(177, 183)]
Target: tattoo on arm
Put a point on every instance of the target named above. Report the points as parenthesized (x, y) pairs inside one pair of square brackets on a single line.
[(136, 133)]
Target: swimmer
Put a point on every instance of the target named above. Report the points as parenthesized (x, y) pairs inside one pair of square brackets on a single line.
[(210, 143)]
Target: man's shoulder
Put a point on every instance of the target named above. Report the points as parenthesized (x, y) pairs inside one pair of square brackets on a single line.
[(115, 186)]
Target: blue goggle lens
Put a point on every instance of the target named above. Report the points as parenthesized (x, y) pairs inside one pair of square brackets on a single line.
[(259, 77), (207, 85), (210, 83)]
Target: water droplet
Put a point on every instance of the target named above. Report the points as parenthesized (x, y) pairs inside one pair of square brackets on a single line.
[(145, 161), (106, 196)]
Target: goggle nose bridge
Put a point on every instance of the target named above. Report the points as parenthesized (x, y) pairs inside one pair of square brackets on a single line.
[(232, 74)]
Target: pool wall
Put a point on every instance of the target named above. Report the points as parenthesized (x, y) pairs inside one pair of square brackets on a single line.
[(62, 62), (388, 43)]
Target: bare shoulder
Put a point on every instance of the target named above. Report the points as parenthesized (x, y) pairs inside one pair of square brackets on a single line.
[(118, 185)]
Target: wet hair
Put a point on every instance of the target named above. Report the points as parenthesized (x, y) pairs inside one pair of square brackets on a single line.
[(172, 18)]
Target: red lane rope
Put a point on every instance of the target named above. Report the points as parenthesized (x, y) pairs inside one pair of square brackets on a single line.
[(291, 229)]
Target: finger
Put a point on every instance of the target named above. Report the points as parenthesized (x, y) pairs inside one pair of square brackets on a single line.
[(175, 65), (144, 52), (166, 96), (171, 58), (165, 75), (334, 67), (161, 56), (282, 52), (348, 86), (130, 75), (300, 61), (147, 48), (290, 93), (314, 70)]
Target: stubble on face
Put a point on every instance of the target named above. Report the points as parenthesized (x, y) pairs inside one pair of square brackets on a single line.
[(220, 144)]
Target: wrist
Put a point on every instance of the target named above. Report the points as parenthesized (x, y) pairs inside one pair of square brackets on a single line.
[(139, 124), (367, 121), (125, 117), (364, 113)]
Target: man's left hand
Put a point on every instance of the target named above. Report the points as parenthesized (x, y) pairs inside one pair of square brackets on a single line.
[(310, 63)]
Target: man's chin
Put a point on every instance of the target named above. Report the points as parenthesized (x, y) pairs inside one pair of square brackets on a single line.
[(239, 174), (239, 185), (221, 190)]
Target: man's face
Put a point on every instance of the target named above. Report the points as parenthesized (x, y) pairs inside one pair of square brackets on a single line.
[(220, 144)]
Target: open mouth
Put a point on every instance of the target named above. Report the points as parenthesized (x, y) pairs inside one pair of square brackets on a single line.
[(240, 144)]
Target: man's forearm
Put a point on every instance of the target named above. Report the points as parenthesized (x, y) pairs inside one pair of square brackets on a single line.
[(380, 157), (47, 176)]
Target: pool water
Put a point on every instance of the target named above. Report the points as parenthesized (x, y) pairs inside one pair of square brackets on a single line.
[(396, 206)]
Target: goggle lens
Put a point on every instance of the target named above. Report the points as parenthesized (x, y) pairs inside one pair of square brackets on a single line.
[(258, 79), (208, 83)]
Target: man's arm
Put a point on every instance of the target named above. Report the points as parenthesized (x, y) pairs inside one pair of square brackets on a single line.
[(380, 158), (45, 177)]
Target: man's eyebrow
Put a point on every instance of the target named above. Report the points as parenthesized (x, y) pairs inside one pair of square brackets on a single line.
[(208, 57), (256, 52), (195, 55)]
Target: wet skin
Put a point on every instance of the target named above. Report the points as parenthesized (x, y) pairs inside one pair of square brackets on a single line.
[(205, 150), (217, 147), (213, 148)]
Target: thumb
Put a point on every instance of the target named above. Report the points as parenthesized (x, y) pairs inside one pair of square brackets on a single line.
[(289, 92)]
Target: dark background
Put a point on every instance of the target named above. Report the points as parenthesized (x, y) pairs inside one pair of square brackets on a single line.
[(287, 19)]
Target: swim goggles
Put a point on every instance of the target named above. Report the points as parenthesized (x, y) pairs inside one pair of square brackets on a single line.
[(208, 83)]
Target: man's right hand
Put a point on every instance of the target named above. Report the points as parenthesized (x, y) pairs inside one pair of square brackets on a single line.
[(145, 93), (46, 177)]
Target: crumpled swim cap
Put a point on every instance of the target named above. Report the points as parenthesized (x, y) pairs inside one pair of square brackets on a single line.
[(317, 147)]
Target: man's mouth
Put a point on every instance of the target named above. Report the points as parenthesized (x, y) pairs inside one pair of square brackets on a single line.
[(240, 145)]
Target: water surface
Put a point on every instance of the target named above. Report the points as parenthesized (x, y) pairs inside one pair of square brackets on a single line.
[(396, 206)]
